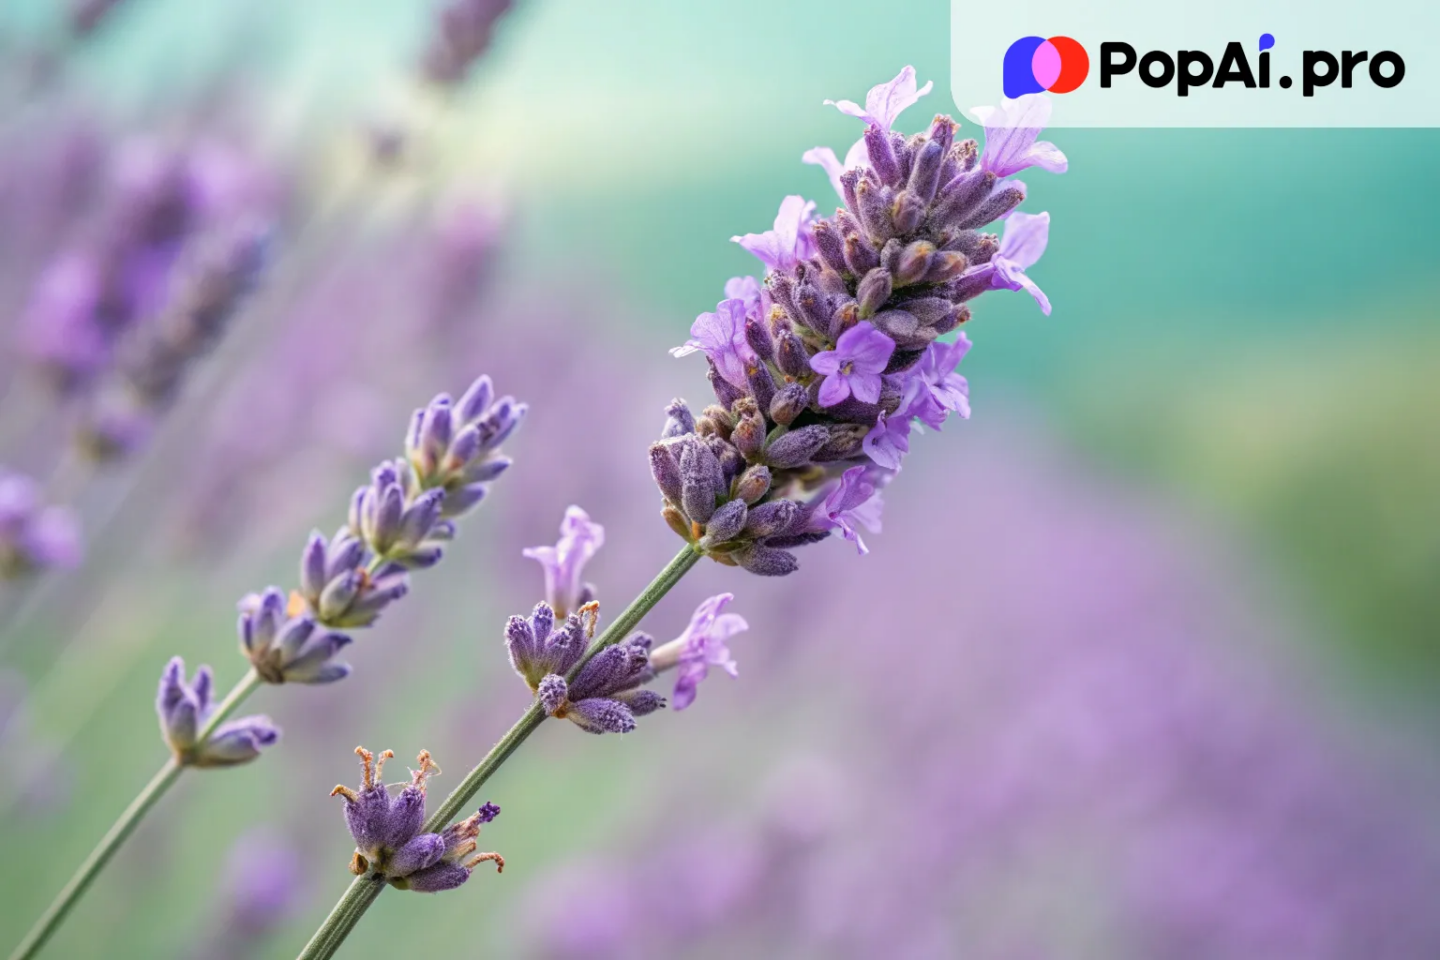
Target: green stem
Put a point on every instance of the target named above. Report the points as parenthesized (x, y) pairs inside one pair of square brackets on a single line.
[(364, 890), (120, 831)]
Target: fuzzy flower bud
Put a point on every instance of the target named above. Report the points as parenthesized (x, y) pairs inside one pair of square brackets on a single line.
[(388, 841), (288, 649), (184, 708)]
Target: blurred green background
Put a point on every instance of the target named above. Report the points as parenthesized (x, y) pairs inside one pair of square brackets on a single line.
[(1244, 323)]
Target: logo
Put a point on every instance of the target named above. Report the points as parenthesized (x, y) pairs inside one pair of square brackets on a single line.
[(1035, 64)]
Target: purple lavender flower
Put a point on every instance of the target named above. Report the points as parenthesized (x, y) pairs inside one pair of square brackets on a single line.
[(338, 586), (854, 500), (888, 441), (939, 390), (1011, 132), (828, 365), (1021, 247), (564, 563), (388, 841), (33, 537), (184, 707), (790, 241), (721, 335), (700, 647), (404, 530), (455, 447), (605, 695), (285, 645), (462, 33), (853, 368), (538, 647), (886, 101)]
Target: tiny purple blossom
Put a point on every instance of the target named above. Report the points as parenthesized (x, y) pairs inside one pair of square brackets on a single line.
[(703, 645), (1023, 242), (886, 101), (854, 366), (565, 562), (721, 335), (855, 500), (938, 388), (790, 241), (889, 440), (1011, 130)]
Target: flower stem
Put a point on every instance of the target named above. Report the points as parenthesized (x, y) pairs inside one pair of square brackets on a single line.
[(120, 831), (364, 890)]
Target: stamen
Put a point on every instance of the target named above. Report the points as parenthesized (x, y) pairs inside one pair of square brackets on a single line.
[(427, 769), (344, 791), (590, 617), (380, 763), (482, 857), (367, 763)]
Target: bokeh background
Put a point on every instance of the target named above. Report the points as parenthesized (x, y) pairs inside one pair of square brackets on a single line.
[(1145, 662)]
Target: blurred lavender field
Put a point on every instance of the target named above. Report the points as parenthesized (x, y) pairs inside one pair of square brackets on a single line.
[(1143, 663)]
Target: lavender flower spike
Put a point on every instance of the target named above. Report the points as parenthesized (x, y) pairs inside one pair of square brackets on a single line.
[(388, 841), (183, 709), (1011, 132), (565, 562), (33, 537), (701, 646), (790, 242)]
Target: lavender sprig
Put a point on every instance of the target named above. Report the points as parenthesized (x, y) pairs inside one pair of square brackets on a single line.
[(395, 525), (820, 375)]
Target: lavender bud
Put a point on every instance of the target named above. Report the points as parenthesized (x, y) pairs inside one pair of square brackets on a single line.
[(726, 523), (769, 519), (882, 156), (753, 484), (678, 420), (767, 561), (874, 210), (946, 265), (698, 491), (790, 355), (907, 211), (757, 335), (762, 384), (860, 254), (873, 291), (831, 246), (791, 401), (665, 471), (925, 175), (960, 196), (915, 262), (749, 434), (1006, 197), (726, 392), (795, 448)]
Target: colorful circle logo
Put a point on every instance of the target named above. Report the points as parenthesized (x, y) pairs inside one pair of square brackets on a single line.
[(1034, 64)]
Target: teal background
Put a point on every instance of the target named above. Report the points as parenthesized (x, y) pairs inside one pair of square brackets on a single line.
[(1244, 322)]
